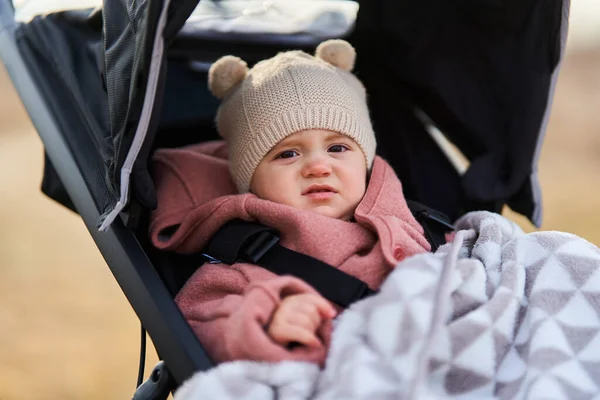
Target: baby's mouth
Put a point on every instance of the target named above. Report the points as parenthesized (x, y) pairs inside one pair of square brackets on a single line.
[(319, 192)]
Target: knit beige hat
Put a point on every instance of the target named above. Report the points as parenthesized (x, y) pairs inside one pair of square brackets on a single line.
[(290, 92)]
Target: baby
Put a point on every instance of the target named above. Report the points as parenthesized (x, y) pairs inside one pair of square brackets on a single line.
[(301, 153)]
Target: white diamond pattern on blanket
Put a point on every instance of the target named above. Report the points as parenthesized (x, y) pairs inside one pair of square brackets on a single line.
[(580, 268), (501, 347), (521, 316), (471, 268), (551, 301), (509, 390), (546, 388), (553, 241), (531, 324), (497, 304), (593, 283), (593, 299), (463, 333), (436, 382), (591, 352), (460, 380), (478, 316), (435, 364), (466, 304), (577, 307), (523, 349), (550, 336), (493, 279), (594, 369), (553, 277), (505, 325), (512, 278), (479, 350), (488, 254), (573, 372), (578, 246), (481, 392), (512, 368), (574, 393), (529, 252), (547, 358), (579, 338), (531, 272), (538, 317)]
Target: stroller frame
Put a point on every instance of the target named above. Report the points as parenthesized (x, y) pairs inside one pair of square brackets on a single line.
[(174, 340)]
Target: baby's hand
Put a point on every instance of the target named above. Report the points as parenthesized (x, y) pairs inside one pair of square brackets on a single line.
[(298, 318)]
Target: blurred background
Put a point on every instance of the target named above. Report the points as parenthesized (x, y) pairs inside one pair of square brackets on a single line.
[(66, 329)]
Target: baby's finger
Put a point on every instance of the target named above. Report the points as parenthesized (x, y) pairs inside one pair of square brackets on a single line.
[(295, 333), (323, 306), (310, 310), (308, 319)]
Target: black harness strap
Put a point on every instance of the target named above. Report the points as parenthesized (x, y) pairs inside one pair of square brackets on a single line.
[(434, 223), (252, 242), (245, 241)]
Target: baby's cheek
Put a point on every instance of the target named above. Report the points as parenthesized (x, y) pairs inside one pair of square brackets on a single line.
[(283, 193), (359, 191)]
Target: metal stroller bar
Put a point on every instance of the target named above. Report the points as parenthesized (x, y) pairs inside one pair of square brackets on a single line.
[(172, 336)]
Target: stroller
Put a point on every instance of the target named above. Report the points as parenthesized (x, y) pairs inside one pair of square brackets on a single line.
[(107, 86)]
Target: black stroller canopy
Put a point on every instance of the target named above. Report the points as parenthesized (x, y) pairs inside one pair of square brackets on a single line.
[(480, 73), (105, 87)]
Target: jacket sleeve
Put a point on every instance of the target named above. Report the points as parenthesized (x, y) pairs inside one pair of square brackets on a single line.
[(229, 314)]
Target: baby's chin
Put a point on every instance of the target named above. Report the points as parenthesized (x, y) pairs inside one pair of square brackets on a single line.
[(331, 212)]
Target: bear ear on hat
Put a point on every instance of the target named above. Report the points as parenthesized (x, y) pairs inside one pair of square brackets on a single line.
[(337, 52), (225, 73)]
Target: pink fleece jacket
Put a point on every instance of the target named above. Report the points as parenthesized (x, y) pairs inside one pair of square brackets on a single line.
[(228, 307)]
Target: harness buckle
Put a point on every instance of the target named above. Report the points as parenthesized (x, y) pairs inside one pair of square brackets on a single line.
[(259, 245)]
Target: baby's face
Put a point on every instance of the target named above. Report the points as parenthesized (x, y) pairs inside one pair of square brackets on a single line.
[(314, 170)]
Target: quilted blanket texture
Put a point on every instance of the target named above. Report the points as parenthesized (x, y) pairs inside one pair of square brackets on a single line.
[(496, 314)]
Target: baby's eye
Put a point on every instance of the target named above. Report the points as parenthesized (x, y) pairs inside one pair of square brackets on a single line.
[(338, 148), (287, 154)]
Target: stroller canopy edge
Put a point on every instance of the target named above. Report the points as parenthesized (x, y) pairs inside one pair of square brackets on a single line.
[(538, 212)]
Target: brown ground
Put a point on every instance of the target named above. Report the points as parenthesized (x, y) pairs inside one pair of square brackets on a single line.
[(66, 329)]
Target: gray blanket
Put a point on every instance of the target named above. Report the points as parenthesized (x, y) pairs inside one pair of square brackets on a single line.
[(495, 314)]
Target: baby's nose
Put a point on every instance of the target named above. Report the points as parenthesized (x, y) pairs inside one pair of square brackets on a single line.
[(317, 167)]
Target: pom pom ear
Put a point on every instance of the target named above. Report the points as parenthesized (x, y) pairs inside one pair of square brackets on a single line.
[(225, 73), (337, 52)]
